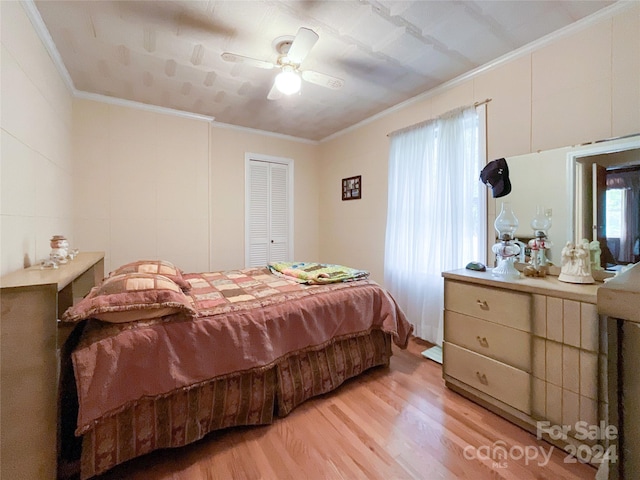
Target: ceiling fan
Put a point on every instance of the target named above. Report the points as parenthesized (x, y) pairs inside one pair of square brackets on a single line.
[(291, 52)]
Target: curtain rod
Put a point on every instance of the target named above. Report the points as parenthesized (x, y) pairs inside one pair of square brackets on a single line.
[(483, 102), (475, 105)]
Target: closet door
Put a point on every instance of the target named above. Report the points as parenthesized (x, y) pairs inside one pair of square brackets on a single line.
[(268, 212), (257, 212), (279, 213)]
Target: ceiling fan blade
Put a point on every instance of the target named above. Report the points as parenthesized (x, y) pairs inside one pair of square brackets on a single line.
[(302, 44), (254, 62), (322, 79), (274, 93)]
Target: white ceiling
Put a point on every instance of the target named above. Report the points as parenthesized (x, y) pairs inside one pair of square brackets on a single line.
[(167, 53)]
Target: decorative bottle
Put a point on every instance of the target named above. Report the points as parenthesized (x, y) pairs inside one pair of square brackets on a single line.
[(59, 249)]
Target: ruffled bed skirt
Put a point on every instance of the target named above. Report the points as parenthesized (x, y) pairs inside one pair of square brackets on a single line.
[(247, 398)]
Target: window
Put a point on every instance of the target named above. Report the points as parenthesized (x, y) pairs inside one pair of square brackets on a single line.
[(436, 212), (615, 212)]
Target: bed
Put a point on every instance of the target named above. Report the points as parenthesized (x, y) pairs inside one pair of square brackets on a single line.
[(160, 358)]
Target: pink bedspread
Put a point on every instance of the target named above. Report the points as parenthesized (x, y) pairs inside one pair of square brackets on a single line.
[(247, 319)]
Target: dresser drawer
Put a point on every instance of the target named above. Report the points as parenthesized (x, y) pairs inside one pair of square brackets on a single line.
[(495, 305), (501, 381), (505, 344)]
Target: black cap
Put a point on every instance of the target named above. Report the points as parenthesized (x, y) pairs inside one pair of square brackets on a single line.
[(496, 176)]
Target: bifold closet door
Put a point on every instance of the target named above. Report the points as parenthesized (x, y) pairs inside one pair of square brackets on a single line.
[(268, 212)]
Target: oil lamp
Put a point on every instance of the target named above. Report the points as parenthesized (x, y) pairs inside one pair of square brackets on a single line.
[(506, 249), (539, 244)]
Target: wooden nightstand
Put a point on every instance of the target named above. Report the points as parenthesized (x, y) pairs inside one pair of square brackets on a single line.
[(32, 300)]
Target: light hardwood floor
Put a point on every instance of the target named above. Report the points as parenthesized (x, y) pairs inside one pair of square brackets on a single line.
[(390, 423)]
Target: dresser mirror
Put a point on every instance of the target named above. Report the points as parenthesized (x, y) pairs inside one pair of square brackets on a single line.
[(563, 181)]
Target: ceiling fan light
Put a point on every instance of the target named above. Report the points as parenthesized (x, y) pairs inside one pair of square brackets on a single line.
[(288, 82)]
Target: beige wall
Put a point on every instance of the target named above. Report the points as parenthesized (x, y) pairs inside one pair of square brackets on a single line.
[(579, 88), (152, 185), (227, 193), (36, 171), (141, 186)]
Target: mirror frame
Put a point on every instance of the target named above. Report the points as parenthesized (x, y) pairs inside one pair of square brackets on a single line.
[(602, 147)]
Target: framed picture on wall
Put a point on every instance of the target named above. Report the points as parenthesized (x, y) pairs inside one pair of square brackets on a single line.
[(352, 188)]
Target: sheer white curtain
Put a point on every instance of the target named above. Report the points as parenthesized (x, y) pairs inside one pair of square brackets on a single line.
[(436, 215), (629, 182)]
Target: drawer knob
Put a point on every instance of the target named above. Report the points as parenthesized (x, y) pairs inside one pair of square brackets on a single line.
[(483, 341), (483, 378), (482, 304)]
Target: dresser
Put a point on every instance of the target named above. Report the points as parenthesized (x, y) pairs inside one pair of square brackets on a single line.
[(31, 302), (532, 350)]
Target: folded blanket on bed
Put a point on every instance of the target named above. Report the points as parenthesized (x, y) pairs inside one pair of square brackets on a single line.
[(317, 273)]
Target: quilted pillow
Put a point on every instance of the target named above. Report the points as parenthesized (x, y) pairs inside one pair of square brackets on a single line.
[(161, 267), (129, 297)]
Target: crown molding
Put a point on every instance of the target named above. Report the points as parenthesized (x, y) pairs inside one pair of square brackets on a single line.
[(121, 102), (594, 18), (181, 113), (41, 30), (265, 133)]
